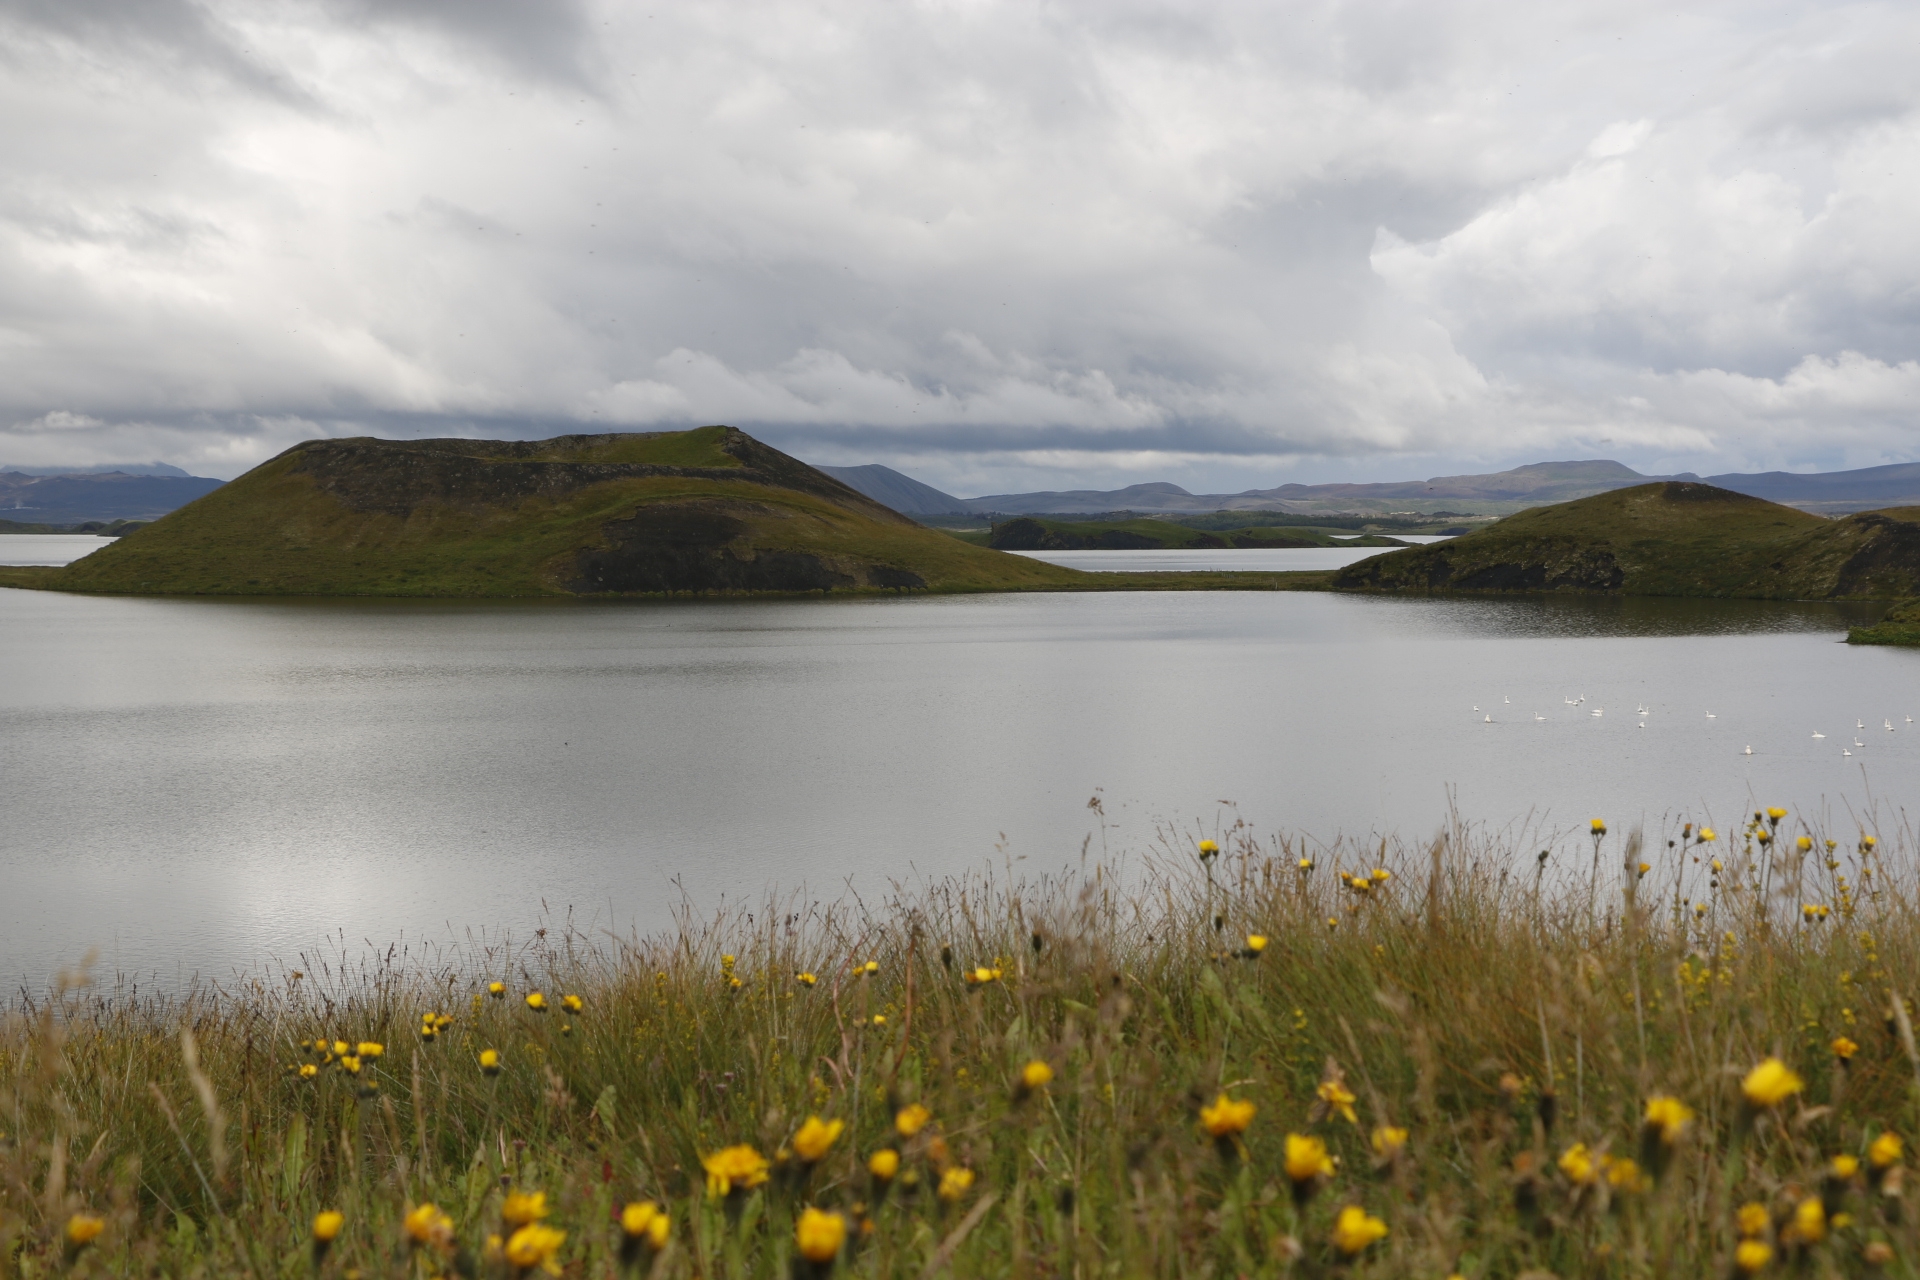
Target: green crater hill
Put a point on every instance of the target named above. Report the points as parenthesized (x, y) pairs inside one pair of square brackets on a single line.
[(1666, 539), (704, 511)]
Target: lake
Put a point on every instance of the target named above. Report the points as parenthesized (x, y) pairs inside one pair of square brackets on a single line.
[(197, 785)]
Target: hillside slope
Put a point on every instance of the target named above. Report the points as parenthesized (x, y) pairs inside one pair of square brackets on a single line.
[(1670, 538), (709, 510)]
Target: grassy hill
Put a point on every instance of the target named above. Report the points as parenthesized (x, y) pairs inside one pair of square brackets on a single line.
[(1666, 539), (1031, 533), (709, 510)]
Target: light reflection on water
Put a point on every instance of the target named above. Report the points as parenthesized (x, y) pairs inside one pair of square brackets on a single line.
[(193, 785)]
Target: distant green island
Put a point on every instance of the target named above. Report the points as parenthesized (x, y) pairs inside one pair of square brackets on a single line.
[(673, 513), (1673, 538), (99, 528), (1039, 533)]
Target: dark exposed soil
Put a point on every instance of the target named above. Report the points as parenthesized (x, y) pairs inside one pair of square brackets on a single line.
[(684, 546)]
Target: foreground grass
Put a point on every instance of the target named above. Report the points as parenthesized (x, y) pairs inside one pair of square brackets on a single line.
[(1071, 1078)]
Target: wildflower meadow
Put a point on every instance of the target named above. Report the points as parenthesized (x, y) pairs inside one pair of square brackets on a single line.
[(1675, 1053)]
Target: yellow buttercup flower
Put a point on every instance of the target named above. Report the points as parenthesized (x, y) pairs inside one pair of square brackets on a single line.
[(1776, 814), (1208, 849), (884, 1164), (911, 1119), (341, 1048), (981, 975), (1845, 1166), (326, 1226), (1809, 1225), (1752, 1256), (819, 1236), (1669, 1117), (83, 1229), (869, 969), (816, 1138), (1307, 1158), (427, 1225), (1598, 827), (1388, 1141), (572, 1004), (1707, 836), (1844, 1048), (1226, 1117), (369, 1049), (1338, 1098), (1381, 875), (643, 1220), (536, 1002), (805, 979), (1036, 1075), (535, 1246), (1884, 1152), (520, 1208), (736, 1167), (1306, 864), (1577, 1163), (1770, 1084), (308, 1071), (1256, 943), (1752, 1219), (498, 990), (1804, 844), (490, 1061), (1623, 1174), (1355, 1229), (955, 1183)]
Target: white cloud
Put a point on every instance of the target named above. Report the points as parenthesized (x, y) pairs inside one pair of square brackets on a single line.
[(1011, 245)]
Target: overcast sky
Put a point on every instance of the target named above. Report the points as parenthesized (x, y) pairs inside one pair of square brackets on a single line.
[(1000, 246)]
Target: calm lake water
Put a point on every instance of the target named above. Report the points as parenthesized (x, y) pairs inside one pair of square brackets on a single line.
[(1251, 559), (48, 548), (197, 785)]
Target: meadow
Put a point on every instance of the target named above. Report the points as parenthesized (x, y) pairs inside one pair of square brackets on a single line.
[(1686, 1054)]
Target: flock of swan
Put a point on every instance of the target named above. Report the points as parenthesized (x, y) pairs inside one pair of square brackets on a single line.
[(1859, 726)]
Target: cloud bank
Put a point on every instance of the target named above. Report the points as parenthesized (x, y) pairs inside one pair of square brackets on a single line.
[(998, 245)]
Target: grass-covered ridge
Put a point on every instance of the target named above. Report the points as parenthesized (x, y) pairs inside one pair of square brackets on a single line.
[(705, 511), (1269, 1060), (1667, 539)]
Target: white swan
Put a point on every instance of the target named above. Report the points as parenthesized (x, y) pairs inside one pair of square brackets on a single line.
[(1748, 751), (1712, 716), (1818, 734), (1845, 752), (1489, 718)]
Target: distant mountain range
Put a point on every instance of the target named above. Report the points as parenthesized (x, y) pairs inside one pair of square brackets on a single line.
[(78, 496), (1501, 493)]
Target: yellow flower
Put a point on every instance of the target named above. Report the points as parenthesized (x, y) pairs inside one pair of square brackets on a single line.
[(1338, 1098), (1885, 1150), (1036, 1075), (535, 1246), (816, 1138), (1598, 827), (805, 979), (1645, 867), (1867, 842), (1307, 1159), (1387, 1141), (427, 1225), (1752, 1219), (1355, 1229), (870, 968), (490, 1061), (1844, 1048), (736, 1166), (1381, 875), (1804, 844), (1770, 1084), (537, 1003), (955, 1183), (982, 975), (341, 1048), (326, 1226), (83, 1229), (1256, 943), (884, 1164), (519, 1208), (1776, 814), (1707, 836), (645, 1220), (498, 990), (1809, 1225), (1717, 868), (1669, 1116), (1306, 864), (572, 1004), (1208, 849), (1846, 1166), (1623, 1174), (1225, 1117), (1752, 1256), (911, 1119), (369, 1049), (1577, 1163), (350, 1065), (819, 1236), (308, 1071)]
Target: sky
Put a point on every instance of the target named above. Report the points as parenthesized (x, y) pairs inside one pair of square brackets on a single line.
[(998, 246)]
